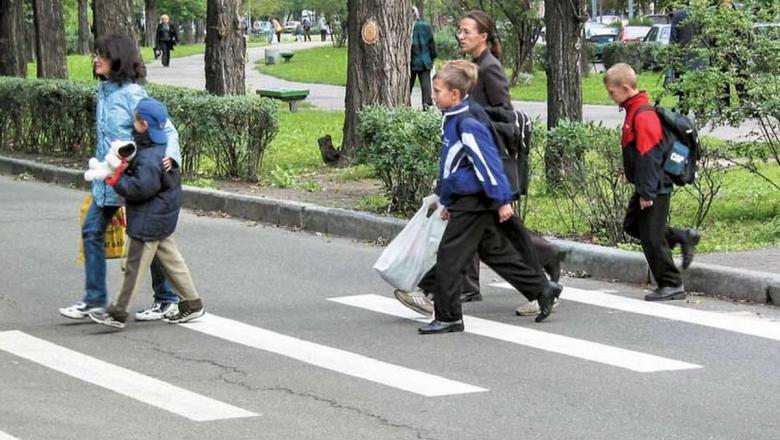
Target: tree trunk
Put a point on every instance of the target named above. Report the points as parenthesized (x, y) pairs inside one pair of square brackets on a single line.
[(420, 7), (377, 73), (84, 45), (564, 21), (12, 59), (114, 17), (187, 37), (225, 48), (199, 30), (151, 17), (50, 42), (28, 48)]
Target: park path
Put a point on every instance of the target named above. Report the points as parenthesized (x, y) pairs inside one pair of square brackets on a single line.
[(189, 72)]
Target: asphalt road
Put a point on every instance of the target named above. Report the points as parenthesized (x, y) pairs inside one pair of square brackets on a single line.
[(277, 358)]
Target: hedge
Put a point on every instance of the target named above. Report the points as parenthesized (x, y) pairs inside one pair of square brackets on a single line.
[(57, 117)]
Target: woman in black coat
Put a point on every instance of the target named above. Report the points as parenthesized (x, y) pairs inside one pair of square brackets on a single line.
[(478, 38), (166, 37)]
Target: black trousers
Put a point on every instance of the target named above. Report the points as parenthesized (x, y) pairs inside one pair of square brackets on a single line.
[(657, 239), (323, 35), (306, 34), (425, 85), (165, 48), (480, 232), (533, 248)]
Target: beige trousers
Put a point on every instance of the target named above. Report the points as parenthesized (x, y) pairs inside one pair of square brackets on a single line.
[(139, 259)]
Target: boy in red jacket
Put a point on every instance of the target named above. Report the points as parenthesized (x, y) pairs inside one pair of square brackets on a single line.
[(643, 158)]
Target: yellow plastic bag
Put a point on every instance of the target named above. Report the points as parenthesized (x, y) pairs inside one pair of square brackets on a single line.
[(115, 240)]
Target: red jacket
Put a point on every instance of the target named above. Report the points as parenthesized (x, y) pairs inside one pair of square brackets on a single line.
[(643, 154)]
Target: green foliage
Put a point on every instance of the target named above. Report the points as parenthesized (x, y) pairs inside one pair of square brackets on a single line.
[(58, 117), (637, 55), (592, 178), (402, 145), (447, 46), (283, 177)]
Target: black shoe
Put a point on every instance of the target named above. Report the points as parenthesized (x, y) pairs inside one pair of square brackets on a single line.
[(109, 318), (689, 246), (466, 297), (437, 326), (188, 310), (667, 293), (546, 300)]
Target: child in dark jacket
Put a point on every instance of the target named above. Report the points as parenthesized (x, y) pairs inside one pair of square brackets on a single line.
[(477, 198), (153, 202), (643, 159)]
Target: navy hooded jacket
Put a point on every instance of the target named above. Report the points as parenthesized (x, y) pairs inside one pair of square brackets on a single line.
[(152, 195), (469, 163)]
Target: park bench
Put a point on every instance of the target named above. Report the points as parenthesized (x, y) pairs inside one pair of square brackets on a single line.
[(290, 96)]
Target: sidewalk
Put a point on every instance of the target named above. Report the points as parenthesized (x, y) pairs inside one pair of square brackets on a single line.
[(190, 72)]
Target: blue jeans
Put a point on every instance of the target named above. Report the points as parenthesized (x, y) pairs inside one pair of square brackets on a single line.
[(92, 235)]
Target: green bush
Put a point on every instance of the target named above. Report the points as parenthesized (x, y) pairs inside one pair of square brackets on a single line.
[(592, 183), (58, 117), (634, 54), (402, 145), (447, 46), (539, 57)]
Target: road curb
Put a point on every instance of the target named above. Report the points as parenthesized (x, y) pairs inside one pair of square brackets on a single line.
[(595, 261)]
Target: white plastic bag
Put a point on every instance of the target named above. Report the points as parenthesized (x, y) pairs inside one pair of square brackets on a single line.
[(412, 253)]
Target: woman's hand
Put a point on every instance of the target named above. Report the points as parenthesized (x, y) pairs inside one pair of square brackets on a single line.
[(445, 214), (167, 164), (505, 212)]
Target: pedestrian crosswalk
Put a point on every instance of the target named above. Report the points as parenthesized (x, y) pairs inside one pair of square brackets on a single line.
[(377, 374)]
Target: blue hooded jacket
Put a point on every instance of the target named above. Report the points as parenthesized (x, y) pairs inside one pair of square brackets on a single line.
[(469, 163), (116, 105)]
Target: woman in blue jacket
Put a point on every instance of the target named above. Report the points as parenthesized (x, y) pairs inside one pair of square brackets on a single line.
[(119, 68), (477, 198)]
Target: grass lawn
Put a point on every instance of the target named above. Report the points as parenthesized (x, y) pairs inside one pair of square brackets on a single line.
[(320, 65), (328, 65)]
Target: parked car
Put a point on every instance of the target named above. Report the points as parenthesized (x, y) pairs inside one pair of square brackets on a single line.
[(632, 34), (592, 29), (606, 19), (658, 18), (263, 27), (659, 33), (290, 26), (599, 41)]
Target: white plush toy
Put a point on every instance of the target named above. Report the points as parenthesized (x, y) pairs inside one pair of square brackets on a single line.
[(100, 170)]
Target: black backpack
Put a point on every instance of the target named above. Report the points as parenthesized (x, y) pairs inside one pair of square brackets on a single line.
[(512, 131), (681, 146)]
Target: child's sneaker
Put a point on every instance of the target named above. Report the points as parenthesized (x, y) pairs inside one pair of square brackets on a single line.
[(188, 310), (108, 318), (80, 310), (158, 310)]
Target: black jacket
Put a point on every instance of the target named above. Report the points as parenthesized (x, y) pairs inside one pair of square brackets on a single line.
[(170, 38), (492, 89), (152, 196)]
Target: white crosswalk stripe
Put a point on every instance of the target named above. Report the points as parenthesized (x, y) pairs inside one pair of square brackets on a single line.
[(592, 351), (4, 436), (752, 326), (330, 358), (120, 380)]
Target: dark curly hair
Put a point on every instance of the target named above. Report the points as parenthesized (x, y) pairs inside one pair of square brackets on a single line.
[(122, 52)]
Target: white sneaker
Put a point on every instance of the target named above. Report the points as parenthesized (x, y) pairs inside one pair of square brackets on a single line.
[(80, 310), (415, 300), (532, 308), (157, 311)]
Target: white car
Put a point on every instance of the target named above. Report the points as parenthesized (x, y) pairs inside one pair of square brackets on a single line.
[(659, 33), (290, 26)]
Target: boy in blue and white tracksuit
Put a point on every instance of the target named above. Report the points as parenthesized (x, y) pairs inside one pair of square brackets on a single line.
[(477, 196)]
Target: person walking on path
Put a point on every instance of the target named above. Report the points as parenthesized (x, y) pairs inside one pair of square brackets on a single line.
[(153, 203), (423, 55), (477, 198), (323, 28), (278, 29), (166, 38), (119, 67), (306, 29), (478, 38), (648, 209)]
